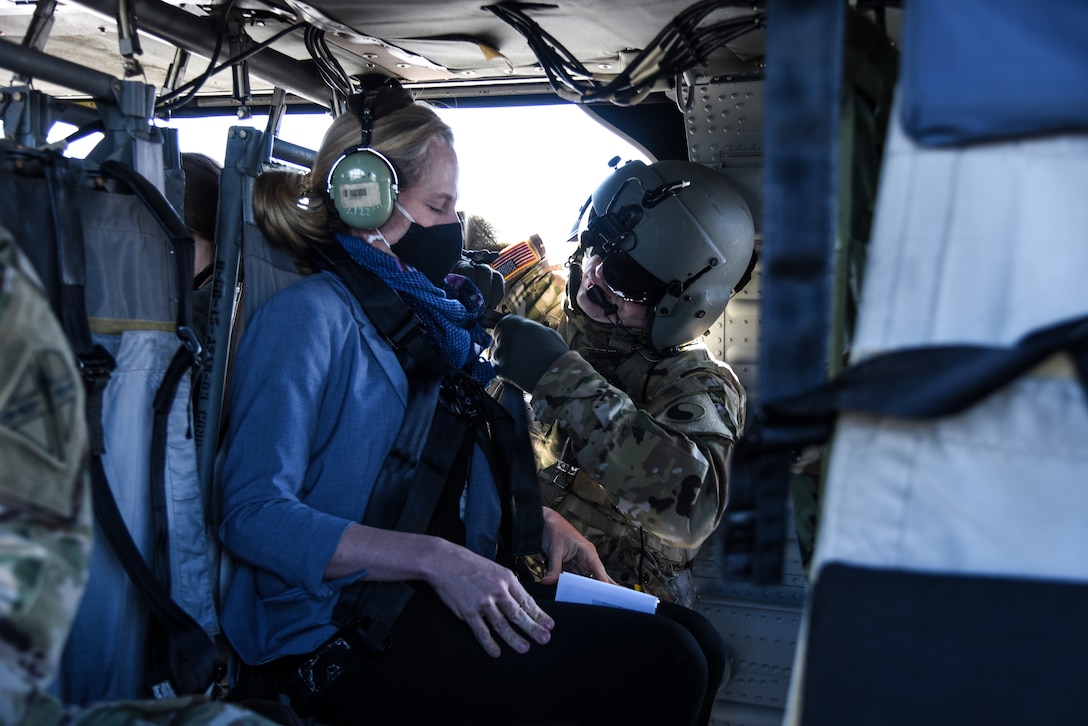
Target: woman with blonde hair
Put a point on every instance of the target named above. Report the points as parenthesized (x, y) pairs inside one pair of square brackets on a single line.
[(320, 400)]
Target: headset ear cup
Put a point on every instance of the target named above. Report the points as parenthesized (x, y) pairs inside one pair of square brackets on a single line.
[(363, 187)]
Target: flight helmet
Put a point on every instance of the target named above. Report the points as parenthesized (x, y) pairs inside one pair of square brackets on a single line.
[(674, 235)]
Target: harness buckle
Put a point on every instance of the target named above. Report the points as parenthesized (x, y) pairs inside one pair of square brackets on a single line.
[(564, 474), (192, 343), (461, 398), (95, 368), (322, 668)]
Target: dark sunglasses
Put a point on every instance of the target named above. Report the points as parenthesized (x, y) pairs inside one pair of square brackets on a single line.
[(630, 280)]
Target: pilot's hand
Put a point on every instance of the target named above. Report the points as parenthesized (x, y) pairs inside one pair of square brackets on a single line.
[(567, 549), (524, 349), (489, 598), (485, 277)]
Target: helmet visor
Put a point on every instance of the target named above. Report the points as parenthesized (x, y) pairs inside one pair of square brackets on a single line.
[(630, 280)]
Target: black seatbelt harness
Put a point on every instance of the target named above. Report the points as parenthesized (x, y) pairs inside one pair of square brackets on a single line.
[(182, 658), (460, 413)]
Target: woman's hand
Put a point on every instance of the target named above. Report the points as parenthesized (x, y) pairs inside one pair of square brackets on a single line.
[(567, 549), (488, 597)]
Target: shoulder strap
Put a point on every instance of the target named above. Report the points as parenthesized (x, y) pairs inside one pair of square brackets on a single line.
[(510, 453), (394, 320), (382, 602), (798, 234), (96, 365), (372, 607)]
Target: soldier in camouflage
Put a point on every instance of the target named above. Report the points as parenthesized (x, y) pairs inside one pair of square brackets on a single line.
[(45, 519), (535, 287), (637, 418)]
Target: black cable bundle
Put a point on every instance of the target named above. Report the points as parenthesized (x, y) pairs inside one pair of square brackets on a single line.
[(679, 47), (185, 93), (329, 68)]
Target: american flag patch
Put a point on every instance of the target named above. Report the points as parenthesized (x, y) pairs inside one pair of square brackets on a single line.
[(515, 258)]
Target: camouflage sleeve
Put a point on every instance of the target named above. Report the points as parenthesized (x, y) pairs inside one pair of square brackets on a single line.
[(537, 295), (664, 466), (185, 711), (45, 521)]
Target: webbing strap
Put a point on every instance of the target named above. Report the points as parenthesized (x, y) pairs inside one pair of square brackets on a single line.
[(510, 453), (801, 125), (914, 384), (193, 665), (399, 326), (159, 636), (162, 404), (424, 461), (190, 661), (95, 362), (390, 496)]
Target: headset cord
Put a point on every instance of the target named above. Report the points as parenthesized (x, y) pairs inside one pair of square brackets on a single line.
[(641, 559)]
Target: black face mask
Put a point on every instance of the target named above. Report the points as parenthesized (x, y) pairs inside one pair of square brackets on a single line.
[(431, 250)]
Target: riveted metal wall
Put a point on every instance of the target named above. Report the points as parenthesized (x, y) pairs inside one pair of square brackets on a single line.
[(724, 124), (759, 624), (724, 120)]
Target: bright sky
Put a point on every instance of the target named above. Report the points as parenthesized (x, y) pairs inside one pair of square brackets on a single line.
[(527, 170)]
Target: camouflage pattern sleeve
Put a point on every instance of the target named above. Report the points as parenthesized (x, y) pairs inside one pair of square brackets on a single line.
[(663, 465), (538, 295), (535, 287), (186, 711), (45, 514)]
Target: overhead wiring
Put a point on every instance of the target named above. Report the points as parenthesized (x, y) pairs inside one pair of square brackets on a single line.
[(328, 67), (174, 99), (683, 44), (185, 93)]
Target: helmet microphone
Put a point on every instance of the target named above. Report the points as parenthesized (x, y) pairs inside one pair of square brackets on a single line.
[(597, 298)]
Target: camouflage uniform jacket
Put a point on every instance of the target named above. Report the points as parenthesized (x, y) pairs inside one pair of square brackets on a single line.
[(643, 447)]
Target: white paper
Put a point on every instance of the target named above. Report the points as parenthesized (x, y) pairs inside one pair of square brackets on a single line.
[(587, 591)]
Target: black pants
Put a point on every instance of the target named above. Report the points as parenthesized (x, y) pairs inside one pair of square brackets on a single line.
[(601, 666), (710, 642)]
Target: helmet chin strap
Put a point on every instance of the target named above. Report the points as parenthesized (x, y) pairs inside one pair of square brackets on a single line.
[(594, 293)]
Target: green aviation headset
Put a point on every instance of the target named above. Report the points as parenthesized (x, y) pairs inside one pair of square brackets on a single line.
[(362, 185)]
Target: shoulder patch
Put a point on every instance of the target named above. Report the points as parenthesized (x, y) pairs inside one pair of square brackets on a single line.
[(684, 412), (42, 405)]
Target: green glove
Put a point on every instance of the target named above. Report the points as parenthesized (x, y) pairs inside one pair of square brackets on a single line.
[(524, 349), (490, 282)]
